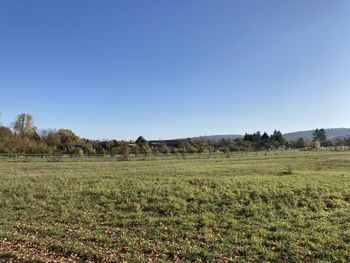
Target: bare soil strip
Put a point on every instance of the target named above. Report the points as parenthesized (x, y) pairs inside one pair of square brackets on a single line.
[(24, 251)]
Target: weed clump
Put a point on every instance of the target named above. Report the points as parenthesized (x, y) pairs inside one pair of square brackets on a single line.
[(288, 170)]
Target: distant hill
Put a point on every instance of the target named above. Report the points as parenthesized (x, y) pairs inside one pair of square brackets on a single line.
[(331, 134), (220, 137)]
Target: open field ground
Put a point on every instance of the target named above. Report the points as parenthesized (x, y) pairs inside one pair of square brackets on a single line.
[(248, 209)]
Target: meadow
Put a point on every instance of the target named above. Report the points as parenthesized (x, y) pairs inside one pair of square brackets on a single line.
[(275, 207)]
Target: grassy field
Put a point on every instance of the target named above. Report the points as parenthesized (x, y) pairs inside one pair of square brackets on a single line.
[(246, 209)]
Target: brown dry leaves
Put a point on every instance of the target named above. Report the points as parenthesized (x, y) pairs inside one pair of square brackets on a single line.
[(24, 251)]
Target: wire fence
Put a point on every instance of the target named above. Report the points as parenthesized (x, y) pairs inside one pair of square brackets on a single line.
[(153, 156)]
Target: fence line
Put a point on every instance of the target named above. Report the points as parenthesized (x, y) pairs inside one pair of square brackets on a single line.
[(158, 156)]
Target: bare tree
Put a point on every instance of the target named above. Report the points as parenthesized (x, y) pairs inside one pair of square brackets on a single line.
[(24, 125)]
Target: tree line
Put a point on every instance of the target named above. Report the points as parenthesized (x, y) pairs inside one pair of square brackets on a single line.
[(23, 137)]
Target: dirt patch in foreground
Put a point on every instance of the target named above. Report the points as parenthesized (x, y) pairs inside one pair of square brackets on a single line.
[(23, 251)]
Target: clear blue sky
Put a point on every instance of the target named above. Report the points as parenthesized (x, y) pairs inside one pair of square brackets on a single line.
[(164, 69)]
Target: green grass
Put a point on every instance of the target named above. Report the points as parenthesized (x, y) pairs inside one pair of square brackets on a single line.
[(285, 207)]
